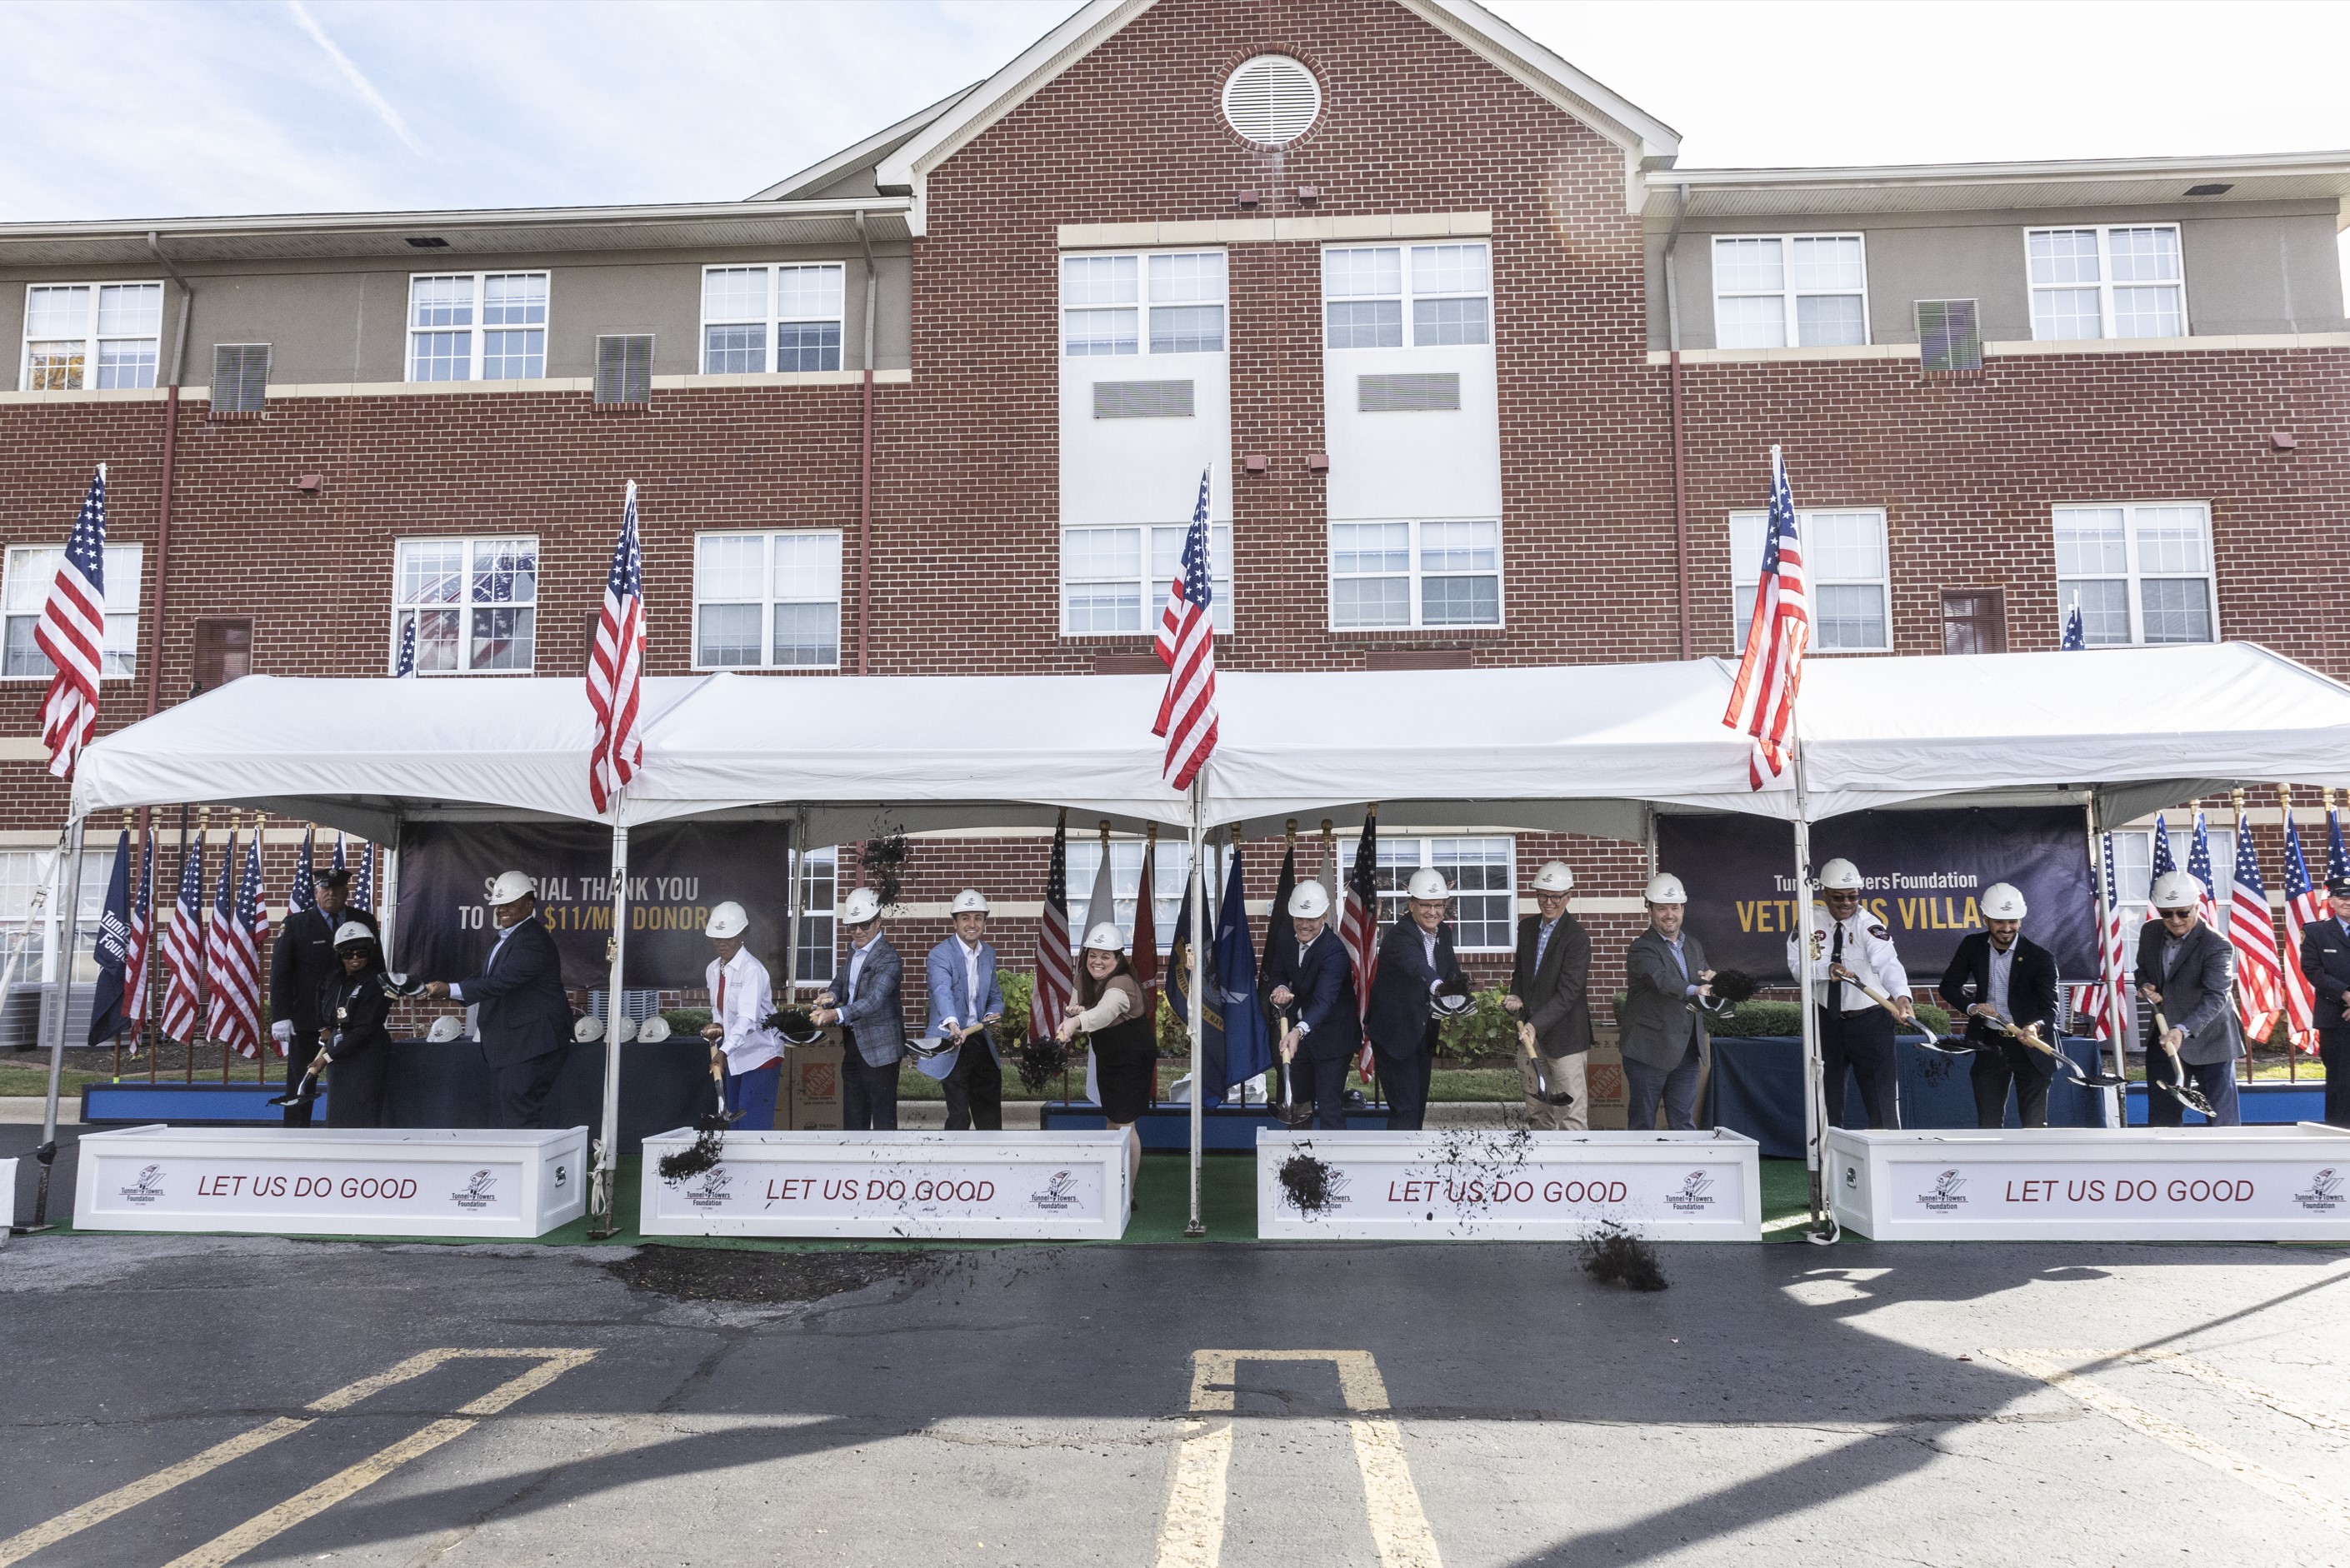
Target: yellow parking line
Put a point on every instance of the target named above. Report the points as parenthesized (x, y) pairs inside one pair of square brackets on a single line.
[(2162, 1429), (2283, 1404), (1193, 1533)]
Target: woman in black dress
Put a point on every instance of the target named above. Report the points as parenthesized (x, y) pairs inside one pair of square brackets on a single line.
[(1107, 1007), (354, 1005)]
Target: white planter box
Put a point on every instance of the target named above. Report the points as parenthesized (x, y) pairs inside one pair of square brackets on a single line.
[(7, 1197), (1522, 1186), (331, 1182), (2095, 1184), (1001, 1186)]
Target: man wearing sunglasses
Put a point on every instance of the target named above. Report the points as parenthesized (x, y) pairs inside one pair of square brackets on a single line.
[(2184, 968)]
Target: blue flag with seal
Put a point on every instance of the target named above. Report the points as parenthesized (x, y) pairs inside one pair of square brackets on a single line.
[(1231, 991), (108, 1012)]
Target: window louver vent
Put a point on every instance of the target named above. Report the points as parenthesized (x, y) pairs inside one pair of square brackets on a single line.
[(1409, 393), (240, 377), (1272, 100), (1143, 399)]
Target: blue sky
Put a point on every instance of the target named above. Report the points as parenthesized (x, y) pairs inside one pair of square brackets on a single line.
[(251, 106)]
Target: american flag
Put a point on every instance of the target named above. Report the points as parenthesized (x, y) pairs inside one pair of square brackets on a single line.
[(2106, 1004), (183, 945), (2163, 860), (234, 951), (2304, 906), (616, 668), (72, 632), (2199, 865), (302, 895), (363, 884), (1763, 699), (2252, 931), (2076, 638), (134, 964), (1359, 926), (406, 664), (1187, 646), (2338, 862), (1050, 998)]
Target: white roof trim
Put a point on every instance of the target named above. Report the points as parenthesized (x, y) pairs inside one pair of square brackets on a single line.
[(1655, 143), (2247, 167), (447, 218), (849, 158)]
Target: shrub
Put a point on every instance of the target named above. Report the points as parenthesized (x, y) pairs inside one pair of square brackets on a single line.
[(1487, 1032), (1017, 989), (686, 1021)]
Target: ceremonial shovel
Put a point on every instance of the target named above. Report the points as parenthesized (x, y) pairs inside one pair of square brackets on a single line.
[(2185, 1093), (2029, 1035)]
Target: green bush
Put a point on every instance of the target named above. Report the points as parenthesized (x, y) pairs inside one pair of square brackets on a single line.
[(1486, 1033), (686, 1020), (1017, 989)]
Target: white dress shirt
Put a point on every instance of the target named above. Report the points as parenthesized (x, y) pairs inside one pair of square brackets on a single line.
[(743, 1012), (1868, 952)]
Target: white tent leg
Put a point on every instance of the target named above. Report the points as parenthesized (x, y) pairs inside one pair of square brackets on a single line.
[(2116, 1099), (1198, 1011), (389, 906), (608, 1147), (795, 852), (1815, 1113), (48, 1153)]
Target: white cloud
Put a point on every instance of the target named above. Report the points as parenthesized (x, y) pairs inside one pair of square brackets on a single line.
[(357, 77)]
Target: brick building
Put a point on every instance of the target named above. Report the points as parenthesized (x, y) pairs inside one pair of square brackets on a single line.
[(1477, 373)]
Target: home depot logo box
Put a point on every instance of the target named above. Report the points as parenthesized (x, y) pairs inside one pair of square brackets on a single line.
[(810, 1101)]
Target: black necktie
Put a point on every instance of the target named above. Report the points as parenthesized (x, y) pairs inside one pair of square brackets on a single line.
[(1836, 956)]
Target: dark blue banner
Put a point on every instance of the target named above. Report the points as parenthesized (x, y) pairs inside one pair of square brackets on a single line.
[(1923, 871)]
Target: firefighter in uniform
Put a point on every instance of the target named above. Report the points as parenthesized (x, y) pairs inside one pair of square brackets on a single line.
[(1851, 952)]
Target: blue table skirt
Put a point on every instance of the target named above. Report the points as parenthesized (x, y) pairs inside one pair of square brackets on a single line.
[(1758, 1090)]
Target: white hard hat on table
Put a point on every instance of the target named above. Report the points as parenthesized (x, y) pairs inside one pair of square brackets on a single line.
[(861, 905), (1664, 887), (653, 1030), (1309, 900), (967, 902), (509, 886), (1428, 884), (1554, 878), (445, 1028), (1840, 876), (1104, 939), (728, 919), (2002, 901)]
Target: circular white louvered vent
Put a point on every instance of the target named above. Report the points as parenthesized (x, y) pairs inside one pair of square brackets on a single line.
[(1272, 100)]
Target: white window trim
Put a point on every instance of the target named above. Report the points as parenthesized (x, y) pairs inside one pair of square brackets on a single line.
[(826, 857), (1789, 293), (1170, 862), (773, 320), (2181, 826), (1142, 302), (2131, 574), (2105, 232), (1416, 575), (92, 338), (136, 555), (464, 605), (1428, 842), (1404, 297), (1154, 588), (477, 331), (768, 602), (1741, 593)]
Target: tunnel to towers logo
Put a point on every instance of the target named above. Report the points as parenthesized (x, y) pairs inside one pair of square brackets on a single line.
[(1944, 1196), (2324, 1194), (1692, 1197)]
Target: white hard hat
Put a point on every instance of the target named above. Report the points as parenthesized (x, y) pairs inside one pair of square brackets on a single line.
[(2177, 890), (624, 1030), (2002, 901), (1428, 884), (1664, 887), (1309, 900), (588, 1030), (653, 1030), (445, 1028), (509, 886), (352, 931), (728, 919), (1840, 876), (1104, 939), (861, 905), (967, 902), (1554, 878)]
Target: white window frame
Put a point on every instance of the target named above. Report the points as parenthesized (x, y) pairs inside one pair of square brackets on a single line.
[(1789, 292), (1151, 584), (1169, 868), (768, 598), (2106, 283), (820, 931), (465, 605), (1742, 581), (474, 327), (91, 338), (2134, 574), (1405, 295), (2134, 862), (27, 570), (1417, 574), (772, 318), (1441, 852), (1148, 299)]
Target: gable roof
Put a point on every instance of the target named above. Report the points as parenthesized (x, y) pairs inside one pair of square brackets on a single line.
[(870, 151), (1648, 141)]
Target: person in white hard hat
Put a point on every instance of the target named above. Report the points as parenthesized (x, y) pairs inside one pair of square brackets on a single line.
[(357, 1044), (1107, 1003), (1664, 1039), (2185, 968), (741, 1000), (1548, 996), (1850, 950), (301, 966), (966, 1004), (524, 1018), (871, 1013), (2000, 973), (1314, 983), (1416, 967)]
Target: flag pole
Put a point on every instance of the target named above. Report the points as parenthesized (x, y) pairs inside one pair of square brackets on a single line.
[(1815, 1114), (47, 1155), (608, 1147), (1198, 1004), (2116, 1099)]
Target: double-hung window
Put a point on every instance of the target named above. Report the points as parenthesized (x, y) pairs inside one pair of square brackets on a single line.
[(1415, 575), (819, 933), (2106, 282), (1790, 291), (792, 309), (477, 327), (2140, 573), (2133, 861), (81, 336), (767, 600), (1481, 872), (31, 569), (1169, 868), (1844, 555), (1369, 291), (1146, 305), (1115, 580), (473, 602)]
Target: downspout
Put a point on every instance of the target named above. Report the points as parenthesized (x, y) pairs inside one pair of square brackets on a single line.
[(171, 451), (865, 470), (1673, 347)]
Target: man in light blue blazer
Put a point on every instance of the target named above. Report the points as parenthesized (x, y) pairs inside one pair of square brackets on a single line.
[(965, 1003)]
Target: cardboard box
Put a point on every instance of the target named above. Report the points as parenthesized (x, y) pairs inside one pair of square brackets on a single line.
[(809, 1100), (1603, 1080)]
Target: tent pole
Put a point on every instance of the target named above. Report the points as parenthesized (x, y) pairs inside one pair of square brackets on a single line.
[(2116, 1103), (608, 1147), (63, 994), (1198, 1021), (795, 851), (390, 909), (1816, 1114)]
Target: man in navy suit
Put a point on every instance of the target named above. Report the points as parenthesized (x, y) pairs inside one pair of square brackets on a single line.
[(523, 1020), (1318, 981), (1415, 968), (2326, 959)]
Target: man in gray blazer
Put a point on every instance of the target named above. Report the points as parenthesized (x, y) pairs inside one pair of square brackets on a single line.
[(1664, 1041), (1548, 997), (872, 1018), (2184, 969)]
